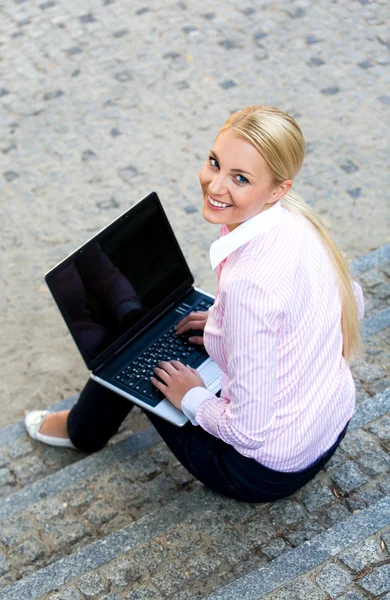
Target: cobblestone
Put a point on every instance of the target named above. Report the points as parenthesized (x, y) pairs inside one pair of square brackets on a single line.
[(91, 584), (348, 477), (377, 582), (363, 556), (333, 580)]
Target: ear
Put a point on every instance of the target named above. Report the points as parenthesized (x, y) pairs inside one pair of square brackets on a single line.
[(281, 190)]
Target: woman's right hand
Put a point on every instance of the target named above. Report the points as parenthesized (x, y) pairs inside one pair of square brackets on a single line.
[(196, 321)]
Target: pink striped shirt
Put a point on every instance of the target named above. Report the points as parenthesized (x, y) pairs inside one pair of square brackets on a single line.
[(275, 332)]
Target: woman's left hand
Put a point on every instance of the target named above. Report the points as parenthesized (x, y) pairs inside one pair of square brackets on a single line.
[(177, 380)]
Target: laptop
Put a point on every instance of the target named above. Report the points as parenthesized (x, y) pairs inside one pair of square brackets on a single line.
[(121, 294)]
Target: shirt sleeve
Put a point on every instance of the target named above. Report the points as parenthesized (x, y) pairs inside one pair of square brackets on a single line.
[(251, 321), (357, 290)]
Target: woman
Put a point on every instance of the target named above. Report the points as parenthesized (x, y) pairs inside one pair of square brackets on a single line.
[(282, 329)]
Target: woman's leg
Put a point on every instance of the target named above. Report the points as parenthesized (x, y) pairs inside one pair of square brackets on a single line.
[(96, 417)]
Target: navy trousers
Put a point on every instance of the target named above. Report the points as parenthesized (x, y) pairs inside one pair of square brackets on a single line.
[(99, 412)]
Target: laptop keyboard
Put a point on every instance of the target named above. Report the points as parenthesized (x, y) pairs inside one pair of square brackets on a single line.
[(136, 376)]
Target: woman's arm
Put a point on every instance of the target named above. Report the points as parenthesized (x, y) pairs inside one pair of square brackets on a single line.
[(250, 326)]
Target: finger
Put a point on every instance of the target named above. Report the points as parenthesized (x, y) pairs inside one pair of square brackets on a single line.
[(166, 365), (197, 339), (196, 317), (177, 364), (200, 325), (192, 369), (162, 374), (160, 386)]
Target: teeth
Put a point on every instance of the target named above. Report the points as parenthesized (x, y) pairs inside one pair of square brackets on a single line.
[(218, 204)]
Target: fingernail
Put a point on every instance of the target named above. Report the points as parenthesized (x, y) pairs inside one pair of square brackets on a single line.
[(191, 339)]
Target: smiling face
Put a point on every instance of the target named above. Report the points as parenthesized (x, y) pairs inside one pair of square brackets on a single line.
[(236, 182)]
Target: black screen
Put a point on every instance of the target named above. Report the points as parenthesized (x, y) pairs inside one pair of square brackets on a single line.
[(114, 284)]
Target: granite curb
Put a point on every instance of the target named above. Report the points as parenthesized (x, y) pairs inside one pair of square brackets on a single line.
[(312, 553)]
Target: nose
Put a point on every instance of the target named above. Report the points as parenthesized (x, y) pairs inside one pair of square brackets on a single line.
[(217, 185)]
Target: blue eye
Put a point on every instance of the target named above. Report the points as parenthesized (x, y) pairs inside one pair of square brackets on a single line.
[(242, 179), (213, 162)]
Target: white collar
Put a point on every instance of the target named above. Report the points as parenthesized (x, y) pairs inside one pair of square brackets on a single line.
[(225, 245)]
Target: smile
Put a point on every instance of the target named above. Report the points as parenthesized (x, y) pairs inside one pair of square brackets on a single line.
[(217, 204)]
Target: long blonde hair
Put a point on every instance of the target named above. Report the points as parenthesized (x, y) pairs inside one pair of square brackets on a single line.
[(279, 140)]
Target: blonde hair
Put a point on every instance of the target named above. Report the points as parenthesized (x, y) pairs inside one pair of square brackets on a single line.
[(279, 140)]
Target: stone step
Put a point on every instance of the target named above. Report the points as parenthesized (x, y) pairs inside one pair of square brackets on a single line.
[(199, 532)]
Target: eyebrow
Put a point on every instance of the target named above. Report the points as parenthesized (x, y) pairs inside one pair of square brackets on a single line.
[(233, 170)]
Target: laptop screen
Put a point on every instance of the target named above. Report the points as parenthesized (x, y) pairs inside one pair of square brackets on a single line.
[(116, 283)]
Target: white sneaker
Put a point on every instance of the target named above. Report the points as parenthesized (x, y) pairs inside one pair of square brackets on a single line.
[(33, 421)]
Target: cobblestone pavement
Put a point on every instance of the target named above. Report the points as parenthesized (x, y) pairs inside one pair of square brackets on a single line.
[(102, 101)]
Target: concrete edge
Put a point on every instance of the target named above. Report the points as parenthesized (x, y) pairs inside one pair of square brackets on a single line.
[(102, 551), (370, 260), (298, 561), (77, 471)]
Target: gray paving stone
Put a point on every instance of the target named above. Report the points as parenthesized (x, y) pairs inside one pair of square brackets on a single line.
[(28, 552), (49, 508), (123, 570), (374, 463), (348, 477), (377, 582), (15, 530), (62, 534), (358, 442), (100, 512), (260, 531), (333, 579), (363, 555), (145, 593), (306, 532), (275, 548), (4, 565), (139, 468), (91, 585), (67, 594), (315, 496), (29, 469), (286, 512), (6, 477), (381, 428), (201, 566), (4, 460), (337, 514)]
